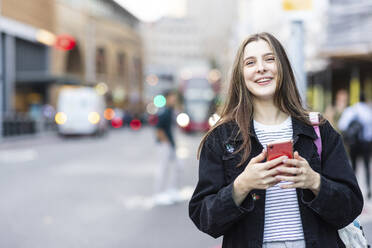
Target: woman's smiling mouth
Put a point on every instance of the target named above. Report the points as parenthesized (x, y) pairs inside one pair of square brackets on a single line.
[(264, 80)]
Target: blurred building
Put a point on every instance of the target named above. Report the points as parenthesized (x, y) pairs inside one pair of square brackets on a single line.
[(217, 20), (349, 47), (108, 49), (25, 59), (337, 43), (170, 45), (36, 62), (196, 42), (274, 17)]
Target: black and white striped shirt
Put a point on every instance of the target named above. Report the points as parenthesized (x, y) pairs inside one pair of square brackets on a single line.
[(282, 214)]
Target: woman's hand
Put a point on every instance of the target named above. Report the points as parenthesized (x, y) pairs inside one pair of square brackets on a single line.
[(256, 175), (298, 171)]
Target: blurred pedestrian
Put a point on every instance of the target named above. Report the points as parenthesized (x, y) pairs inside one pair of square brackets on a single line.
[(169, 168), (356, 125), (252, 202), (333, 112)]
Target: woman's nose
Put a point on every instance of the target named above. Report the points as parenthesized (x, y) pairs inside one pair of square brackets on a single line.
[(260, 67)]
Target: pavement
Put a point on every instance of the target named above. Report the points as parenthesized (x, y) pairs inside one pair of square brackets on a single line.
[(89, 192)]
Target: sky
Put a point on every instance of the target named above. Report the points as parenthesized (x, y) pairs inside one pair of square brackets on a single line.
[(151, 10)]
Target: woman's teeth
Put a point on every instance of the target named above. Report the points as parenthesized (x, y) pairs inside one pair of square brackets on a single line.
[(263, 80)]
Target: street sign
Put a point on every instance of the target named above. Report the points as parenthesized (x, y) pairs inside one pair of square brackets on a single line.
[(65, 42), (296, 5)]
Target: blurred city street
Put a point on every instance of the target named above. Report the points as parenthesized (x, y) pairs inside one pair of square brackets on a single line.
[(96, 192), (92, 192), (83, 83)]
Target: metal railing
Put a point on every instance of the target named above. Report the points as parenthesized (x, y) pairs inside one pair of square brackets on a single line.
[(15, 124)]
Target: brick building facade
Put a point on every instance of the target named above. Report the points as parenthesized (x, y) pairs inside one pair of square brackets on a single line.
[(108, 50)]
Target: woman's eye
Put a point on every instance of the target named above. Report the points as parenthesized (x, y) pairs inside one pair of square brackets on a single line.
[(249, 63), (270, 59)]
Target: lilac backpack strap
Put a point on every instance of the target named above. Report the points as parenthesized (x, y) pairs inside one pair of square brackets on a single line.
[(314, 118)]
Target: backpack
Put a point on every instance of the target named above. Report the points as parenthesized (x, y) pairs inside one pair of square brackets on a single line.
[(353, 134), (352, 235)]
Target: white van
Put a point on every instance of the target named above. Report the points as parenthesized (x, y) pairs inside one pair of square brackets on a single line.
[(80, 111)]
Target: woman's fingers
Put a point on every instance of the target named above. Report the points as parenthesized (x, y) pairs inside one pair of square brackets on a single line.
[(258, 158), (293, 179), (270, 182), (272, 163), (289, 170), (297, 156), (291, 185), (297, 161)]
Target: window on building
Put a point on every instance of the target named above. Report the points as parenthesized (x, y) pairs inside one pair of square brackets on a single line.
[(121, 64), (137, 70), (74, 65), (101, 61)]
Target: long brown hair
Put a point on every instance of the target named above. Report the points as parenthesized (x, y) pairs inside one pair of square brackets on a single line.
[(239, 104)]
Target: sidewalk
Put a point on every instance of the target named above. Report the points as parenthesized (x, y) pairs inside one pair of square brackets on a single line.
[(366, 215), (40, 137)]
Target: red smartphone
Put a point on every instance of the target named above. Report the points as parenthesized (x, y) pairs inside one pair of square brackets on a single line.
[(281, 148)]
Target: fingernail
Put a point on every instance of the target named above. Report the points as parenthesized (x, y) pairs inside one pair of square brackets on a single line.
[(285, 160)]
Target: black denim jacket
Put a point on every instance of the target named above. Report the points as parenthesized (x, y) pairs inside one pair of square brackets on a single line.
[(214, 212)]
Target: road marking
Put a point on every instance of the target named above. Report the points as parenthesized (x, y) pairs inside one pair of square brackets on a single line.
[(147, 202), (48, 220), (99, 167), (18, 156), (183, 153)]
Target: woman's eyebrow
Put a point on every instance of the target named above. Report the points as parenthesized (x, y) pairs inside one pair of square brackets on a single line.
[(252, 57)]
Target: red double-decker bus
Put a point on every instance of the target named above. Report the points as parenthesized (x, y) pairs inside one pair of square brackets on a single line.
[(200, 100)]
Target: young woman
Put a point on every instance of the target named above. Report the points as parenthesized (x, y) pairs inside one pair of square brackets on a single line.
[(252, 202)]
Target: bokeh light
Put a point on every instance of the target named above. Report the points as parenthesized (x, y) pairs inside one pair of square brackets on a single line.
[(135, 124), (101, 88), (160, 101), (109, 114), (93, 117), (151, 108), (213, 119), (183, 120), (65, 42), (153, 120), (48, 111), (60, 118), (152, 80), (116, 122), (186, 74), (45, 37), (214, 75), (182, 153)]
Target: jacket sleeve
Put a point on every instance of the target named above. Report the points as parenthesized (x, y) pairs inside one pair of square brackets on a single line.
[(339, 200), (212, 207)]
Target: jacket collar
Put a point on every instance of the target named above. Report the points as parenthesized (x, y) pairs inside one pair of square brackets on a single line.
[(299, 128)]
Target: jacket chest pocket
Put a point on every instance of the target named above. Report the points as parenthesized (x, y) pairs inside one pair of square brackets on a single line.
[(230, 162)]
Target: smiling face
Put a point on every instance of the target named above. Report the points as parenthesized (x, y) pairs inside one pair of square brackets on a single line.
[(260, 70)]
